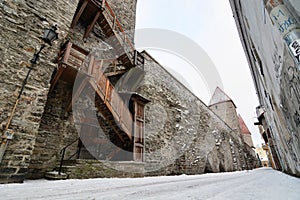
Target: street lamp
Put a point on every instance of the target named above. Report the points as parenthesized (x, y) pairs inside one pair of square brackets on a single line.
[(49, 36)]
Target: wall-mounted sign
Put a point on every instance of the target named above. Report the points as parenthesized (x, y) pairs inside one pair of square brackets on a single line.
[(295, 49), (292, 39)]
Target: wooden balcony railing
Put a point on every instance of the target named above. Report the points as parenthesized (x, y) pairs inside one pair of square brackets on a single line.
[(99, 11), (117, 27), (79, 59), (134, 56)]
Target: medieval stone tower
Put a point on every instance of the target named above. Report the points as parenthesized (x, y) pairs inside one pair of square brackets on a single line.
[(71, 116), (225, 108)]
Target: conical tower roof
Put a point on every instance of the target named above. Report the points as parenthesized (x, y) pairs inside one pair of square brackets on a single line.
[(243, 126), (219, 96)]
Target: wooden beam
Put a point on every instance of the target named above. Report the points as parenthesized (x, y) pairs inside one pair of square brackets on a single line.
[(106, 90), (76, 18), (118, 134), (114, 23), (67, 52), (56, 78), (103, 3), (77, 93), (110, 123), (90, 27), (91, 65)]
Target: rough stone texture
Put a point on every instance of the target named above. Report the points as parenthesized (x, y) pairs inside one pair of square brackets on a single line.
[(104, 169), (125, 11), (227, 111), (276, 78), (182, 134), (248, 139), (22, 24), (56, 131)]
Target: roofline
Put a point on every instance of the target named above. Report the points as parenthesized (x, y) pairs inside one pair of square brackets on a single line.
[(223, 102), (230, 99)]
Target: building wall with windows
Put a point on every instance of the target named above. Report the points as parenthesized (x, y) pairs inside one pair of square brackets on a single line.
[(269, 32)]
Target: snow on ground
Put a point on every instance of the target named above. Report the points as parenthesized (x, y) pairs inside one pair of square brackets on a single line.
[(263, 183)]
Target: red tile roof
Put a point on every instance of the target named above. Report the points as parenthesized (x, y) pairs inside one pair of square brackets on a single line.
[(243, 126)]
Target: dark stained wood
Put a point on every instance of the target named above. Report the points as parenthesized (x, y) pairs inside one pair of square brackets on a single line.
[(91, 26), (56, 78), (77, 93), (76, 18), (67, 52), (109, 103)]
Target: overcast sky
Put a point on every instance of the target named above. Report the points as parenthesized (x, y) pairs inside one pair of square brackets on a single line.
[(211, 25)]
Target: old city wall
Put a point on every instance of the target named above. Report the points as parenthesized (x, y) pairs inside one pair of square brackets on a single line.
[(227, 111), (182, 134), (22, 24), (56, 131), (57, 128), (125, 12)]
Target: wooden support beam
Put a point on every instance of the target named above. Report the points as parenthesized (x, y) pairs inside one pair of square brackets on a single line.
[(118, 134), (76, 18), (103, 3), (67, 52), (106, 90), (114, 23), (76, 94), (56, 78), (90, 27), (91, 65)]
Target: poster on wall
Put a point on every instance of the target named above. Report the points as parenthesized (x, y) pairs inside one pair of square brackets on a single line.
[(293, 41)]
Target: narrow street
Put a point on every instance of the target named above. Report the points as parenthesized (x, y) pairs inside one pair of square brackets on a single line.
[(263, 183)]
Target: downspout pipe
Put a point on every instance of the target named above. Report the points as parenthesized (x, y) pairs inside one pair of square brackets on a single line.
[(8, 133)]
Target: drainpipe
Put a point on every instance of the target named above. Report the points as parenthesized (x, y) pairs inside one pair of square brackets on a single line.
[(49, 36), (8, 133)]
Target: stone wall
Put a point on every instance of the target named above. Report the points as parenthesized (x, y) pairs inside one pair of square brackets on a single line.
[(227, 111), (125, 12), (56, 131), (104, 169), (248, 140), (182, 134), (22, 24)]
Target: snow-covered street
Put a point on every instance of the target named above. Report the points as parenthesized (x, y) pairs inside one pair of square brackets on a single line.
[(263, 183)]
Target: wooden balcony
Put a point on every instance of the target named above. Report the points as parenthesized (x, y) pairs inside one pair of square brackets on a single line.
[(75, 61), (99, 11)]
